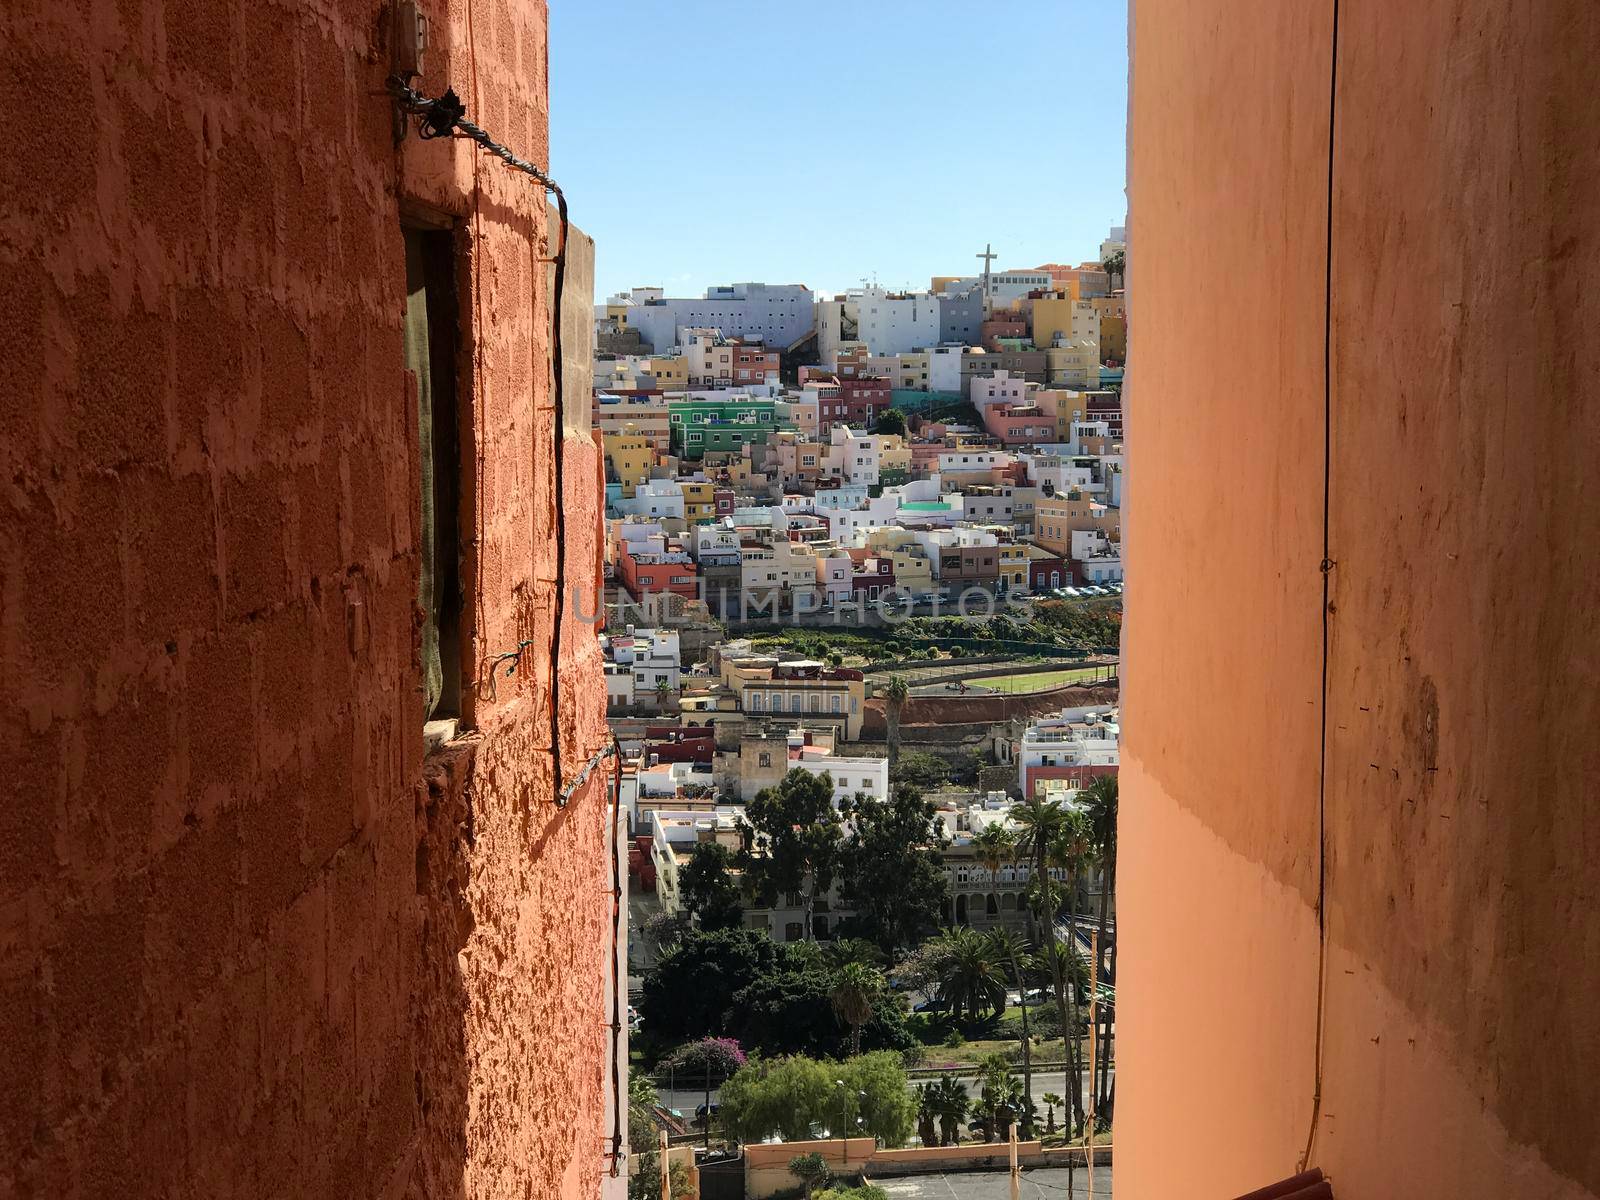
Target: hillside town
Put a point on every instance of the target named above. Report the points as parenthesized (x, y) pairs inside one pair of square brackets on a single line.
[(861, 632)]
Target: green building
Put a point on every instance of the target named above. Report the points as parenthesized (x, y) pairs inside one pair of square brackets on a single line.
[(701, 425)]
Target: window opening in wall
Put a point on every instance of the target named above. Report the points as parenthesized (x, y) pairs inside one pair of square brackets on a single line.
[(430, 343)]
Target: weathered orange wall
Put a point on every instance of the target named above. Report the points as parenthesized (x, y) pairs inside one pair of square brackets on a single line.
[(245, 948), (1461, 1037)]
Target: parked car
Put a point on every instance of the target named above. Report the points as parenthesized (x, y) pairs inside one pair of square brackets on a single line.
[(1069, 591), (931, 1006)]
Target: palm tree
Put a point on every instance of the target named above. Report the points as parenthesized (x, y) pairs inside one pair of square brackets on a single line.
[(896, 696), (992, 846), (951, 1103), (1012, 950), (855, 993), (854, 950), (928, 1113), (663, 693), (1041, 825), (1052, 1101), (811, 1170), (969, 977), (1115, 265), (1100, 803)]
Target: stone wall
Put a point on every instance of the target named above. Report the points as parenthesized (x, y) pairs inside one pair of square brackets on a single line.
[(1385, 801), (225, 967)]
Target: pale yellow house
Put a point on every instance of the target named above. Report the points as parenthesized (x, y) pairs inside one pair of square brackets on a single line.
[(629, 458)]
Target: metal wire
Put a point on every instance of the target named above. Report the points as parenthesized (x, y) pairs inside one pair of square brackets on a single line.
[(445, 116)]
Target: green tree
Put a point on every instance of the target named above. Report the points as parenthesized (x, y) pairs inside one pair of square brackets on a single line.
[(1013, 951), (927, 1114), (1000, 1099), (970, 977), (891, 869), (894, 700), (793, 1096), (867, 1191), (891, 421), (708, 889), (791, 839), (811, 1170), (1100, 803), (1052, 1101), (855, 993), (690, 990), (791, 1012), (663, 693), (951, 1102), (844, 950), (1115, 267), (919, 769), (1044, 826)]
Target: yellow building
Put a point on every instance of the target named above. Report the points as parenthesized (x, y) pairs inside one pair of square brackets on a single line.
[(1055, 517), (668, 370), (647, 417), (805, 690), (1013, 566), (629, 458), (699, 501), (1113, 313)]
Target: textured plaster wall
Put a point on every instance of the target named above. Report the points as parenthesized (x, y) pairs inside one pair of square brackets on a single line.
[(1461, 1041), (248, 945)]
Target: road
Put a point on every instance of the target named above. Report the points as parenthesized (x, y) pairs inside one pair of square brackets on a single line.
[(1043, 1183)]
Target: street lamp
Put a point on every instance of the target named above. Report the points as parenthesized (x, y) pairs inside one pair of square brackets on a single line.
[(844, 1104)]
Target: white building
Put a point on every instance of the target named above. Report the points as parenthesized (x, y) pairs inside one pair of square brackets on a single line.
[(1097, 556), (1000, 387), (849, 774), (777, 314), (1059, 755), (944, 368), (651, 655), (655, 499)]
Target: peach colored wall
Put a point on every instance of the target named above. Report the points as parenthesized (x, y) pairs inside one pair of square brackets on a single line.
[(225, 968), (1461, 1043)]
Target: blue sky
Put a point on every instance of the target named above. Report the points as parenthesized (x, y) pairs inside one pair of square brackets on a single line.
[(711, 141)]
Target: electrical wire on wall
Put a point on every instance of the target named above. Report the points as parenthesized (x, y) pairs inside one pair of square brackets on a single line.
[(1326, 569), (443, 117)]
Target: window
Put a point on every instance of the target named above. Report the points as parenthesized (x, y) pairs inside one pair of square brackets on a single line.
[(792, 932), (755, 706), (429, 346), (794, 702)]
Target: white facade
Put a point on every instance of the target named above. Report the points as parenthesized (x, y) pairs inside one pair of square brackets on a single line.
[(656, 499), (944, 368), (1000, 387), (849, 774), (892, 323), (777, 314), (1081, 737), (1097, 556)]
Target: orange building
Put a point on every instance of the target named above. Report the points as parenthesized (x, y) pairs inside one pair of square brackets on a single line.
[(256, 940), (1357, 855)]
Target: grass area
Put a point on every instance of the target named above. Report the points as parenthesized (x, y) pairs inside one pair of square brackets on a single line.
[(975, 1051), (1038, 681)]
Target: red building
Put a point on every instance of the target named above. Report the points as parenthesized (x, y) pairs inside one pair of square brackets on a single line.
[(1046, 574), (670, 743), (754, 364), (861, 400), (651, 572), (871, 578)]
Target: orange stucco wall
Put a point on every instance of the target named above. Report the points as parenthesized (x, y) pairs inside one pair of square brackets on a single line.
[(249, 946), (1461, 1038)]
